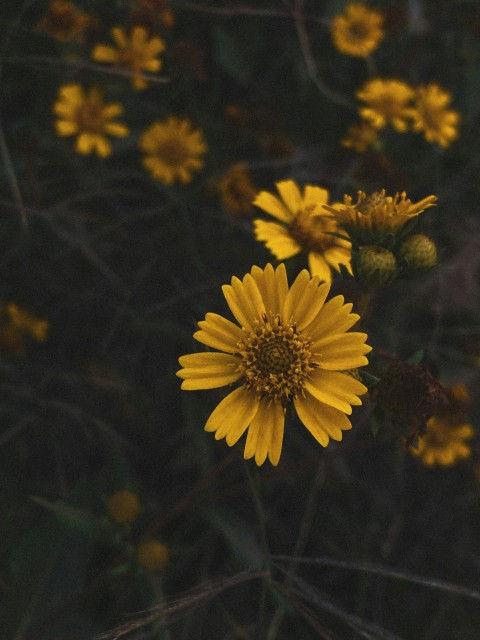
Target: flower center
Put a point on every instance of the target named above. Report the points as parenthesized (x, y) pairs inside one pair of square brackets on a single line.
[(275, 360), (90, 117), (309, 231), (358, 30), (172, 151)]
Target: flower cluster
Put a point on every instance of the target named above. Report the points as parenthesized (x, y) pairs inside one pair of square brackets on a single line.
[(173, 148), (394, 102)]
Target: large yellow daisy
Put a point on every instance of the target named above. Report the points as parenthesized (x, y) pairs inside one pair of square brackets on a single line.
[(289, 346), (304, 226)]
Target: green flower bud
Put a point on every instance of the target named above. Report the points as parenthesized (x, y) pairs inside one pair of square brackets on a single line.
[(374, 266), (418, 252)]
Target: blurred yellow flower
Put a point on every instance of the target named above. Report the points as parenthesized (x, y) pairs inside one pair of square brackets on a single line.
[(173, 150), (375, 217), (136, 52), (432, 117), (237, 189), (388, 103), (445, 441), (303, 226), (289, 346), (15, 325), (358, 31), (360, 137), (83, 114), (123, 506), (64, 22), (152, 555)]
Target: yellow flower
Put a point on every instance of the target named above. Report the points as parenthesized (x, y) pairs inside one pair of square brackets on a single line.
[(304, 225), (358, 31), (432, 117), (135, 52), (152, 555), (290, 346), (173, 150), (123, 506), (64, 22), (84, 115), (360, 137), (388, 103), (444, 442), (377, 217), (16, 324), (237, 189)]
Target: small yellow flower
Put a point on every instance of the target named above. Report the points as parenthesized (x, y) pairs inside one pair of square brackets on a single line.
[(152, 555), (388, 103), (15, 325), (358, 31), (289, 347), (360, 137), (123, 506), (444, 442), (377, 217), (173, 150), (304, 226), (135, 52), (237, 189), (64, 22), (84, 115), (432, 117)]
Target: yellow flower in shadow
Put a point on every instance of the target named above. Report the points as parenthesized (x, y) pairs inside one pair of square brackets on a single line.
[(136, 52), (83, 114), (358, 30), (432, 117), (388, 102), (173, 150)]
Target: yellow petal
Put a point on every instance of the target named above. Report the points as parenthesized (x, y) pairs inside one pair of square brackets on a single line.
[(273, 286), (219, 333), (265, 433), (336, 389), (117, 129), (120, 37), (233, 415), (244, 300), (341, 351), (290, 195), (208, 370), (66, 128), (103, 146), (321, 420), (304, 299), (273, 206), (276, 238), (85, 143), (104, 53), (319, 267), (315, 197), (334, 317)]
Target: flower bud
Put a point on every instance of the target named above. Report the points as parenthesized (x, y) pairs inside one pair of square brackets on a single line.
[(123, 506), (374, 266), (419, 253), (152, 555)]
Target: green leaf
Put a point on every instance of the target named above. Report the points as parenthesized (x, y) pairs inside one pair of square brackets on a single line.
[(417, 357), (229, 56)]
